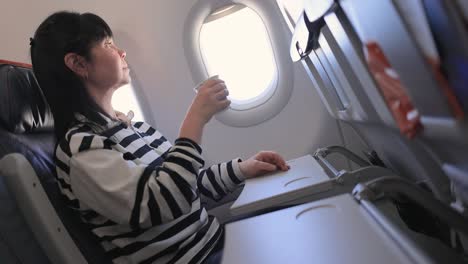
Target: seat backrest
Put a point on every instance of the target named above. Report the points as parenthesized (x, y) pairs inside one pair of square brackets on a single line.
[(392, 92), (26, 127)]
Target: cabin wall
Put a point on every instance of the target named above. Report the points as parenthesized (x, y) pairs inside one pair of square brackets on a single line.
[(151, 33)]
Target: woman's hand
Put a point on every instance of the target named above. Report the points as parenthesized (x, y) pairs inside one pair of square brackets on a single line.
[(262, 163), (210, 99)]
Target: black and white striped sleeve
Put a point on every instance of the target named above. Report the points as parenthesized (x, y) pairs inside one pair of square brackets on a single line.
[(218, 180), (139, 194)]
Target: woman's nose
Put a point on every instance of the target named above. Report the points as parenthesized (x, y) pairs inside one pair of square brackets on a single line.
[(122, 53)]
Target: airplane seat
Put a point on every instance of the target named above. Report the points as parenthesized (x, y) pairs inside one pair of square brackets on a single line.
[(26, 127)]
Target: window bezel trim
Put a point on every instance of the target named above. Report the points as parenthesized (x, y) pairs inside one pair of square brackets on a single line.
[(247, 116)]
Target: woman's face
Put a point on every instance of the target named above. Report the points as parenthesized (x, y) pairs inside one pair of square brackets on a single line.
[(107, 68)]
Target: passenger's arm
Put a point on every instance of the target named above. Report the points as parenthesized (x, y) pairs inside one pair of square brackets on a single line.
[(218, 180), (142, 195), (210, 99)]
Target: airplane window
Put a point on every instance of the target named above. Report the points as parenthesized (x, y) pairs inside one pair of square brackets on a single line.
[(293, 9), (124, 100), (235, 45)]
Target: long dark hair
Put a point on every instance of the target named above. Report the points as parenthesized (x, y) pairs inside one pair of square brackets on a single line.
[(59, 34)]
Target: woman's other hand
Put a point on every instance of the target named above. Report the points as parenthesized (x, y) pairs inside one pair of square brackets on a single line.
[(262, 163)]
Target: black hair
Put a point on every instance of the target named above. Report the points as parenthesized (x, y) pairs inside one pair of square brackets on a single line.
[(61, 33)]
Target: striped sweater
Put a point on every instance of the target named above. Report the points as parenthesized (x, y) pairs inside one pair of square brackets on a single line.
[(139, 193)]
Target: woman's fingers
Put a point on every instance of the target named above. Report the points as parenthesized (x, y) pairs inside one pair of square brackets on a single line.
[(274, 158), (215, 86), (266, 166), (212, 82), (282, 163), (218, 87), (224, 104), (222, 94)]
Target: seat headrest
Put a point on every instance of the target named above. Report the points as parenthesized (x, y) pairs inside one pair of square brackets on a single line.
[(23, 108)]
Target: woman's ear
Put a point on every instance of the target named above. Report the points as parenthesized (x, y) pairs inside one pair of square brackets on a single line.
[(77, 64)]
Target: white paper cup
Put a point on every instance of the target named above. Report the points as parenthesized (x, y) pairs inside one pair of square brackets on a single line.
[(197, 87)]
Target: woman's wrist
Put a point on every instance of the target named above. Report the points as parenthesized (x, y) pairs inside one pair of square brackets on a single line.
[(192, 128), (242, 170)]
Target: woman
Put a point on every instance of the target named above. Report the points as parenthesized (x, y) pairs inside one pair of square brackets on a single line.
[(139, 193)]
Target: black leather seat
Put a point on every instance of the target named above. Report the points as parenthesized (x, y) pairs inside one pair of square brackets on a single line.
[(26, 127)]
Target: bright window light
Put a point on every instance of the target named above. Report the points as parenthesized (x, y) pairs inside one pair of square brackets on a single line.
[(124, 100), (293, 9), (236, 46)]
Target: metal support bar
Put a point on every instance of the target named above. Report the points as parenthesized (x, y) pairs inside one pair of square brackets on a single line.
[(393, 186), (322, 153)]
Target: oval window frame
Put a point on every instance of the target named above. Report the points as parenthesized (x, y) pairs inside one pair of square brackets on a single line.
[(243, 115)]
